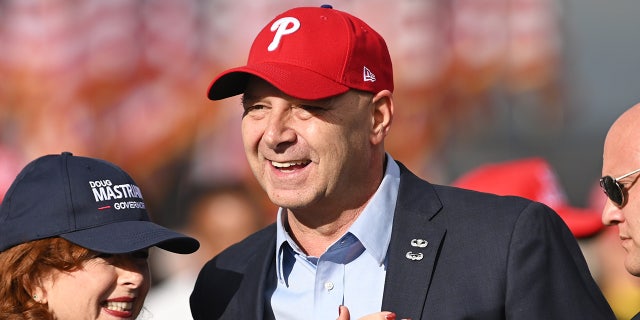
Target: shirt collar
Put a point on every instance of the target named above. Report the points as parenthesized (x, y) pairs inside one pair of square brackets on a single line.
[(372, 228)]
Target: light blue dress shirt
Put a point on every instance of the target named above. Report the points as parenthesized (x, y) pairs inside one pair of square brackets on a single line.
[(352, 270)]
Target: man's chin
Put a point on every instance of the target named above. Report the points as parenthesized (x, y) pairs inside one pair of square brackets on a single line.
[(633, 265), (289, 200)]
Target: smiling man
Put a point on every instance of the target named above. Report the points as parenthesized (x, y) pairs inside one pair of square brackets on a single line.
[(354, 226)]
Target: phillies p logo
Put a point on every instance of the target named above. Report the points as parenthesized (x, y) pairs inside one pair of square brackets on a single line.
[(282, 27)]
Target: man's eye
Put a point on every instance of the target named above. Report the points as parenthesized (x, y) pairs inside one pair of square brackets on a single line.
[(249, 109)]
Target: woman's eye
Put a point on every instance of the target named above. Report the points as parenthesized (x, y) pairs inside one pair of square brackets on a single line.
[(104, 256), (143, 255)]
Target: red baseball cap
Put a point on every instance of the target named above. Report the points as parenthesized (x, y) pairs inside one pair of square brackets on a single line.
[(532, 178), (312, 53)]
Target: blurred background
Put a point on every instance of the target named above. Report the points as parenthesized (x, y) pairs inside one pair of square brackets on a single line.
[(477, 81)]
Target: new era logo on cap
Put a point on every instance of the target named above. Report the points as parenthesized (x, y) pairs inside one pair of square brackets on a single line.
[(367, 75), (313, 53)]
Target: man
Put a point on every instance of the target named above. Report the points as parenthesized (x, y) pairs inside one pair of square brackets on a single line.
[(620, 168), (355, 227)]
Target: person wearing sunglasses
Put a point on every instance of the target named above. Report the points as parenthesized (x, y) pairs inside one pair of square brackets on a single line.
[(621, 170)]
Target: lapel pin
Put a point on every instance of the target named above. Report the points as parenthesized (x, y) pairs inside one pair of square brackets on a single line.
[(420, 243), (414, 256)]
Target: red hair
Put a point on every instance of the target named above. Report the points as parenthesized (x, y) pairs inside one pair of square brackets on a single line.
[(24, 265)]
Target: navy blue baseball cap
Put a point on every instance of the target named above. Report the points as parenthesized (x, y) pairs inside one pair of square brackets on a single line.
[(87, 201)]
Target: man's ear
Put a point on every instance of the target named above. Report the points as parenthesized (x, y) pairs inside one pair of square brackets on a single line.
[(382, 116)]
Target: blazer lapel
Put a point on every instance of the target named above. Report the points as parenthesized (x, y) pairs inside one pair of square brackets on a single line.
[(260, 273), (414, 246)]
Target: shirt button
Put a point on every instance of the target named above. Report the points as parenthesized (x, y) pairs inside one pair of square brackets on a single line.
[(328, 285)]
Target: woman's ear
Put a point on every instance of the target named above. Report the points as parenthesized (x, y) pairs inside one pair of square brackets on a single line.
[(39, 294), (382, 115)]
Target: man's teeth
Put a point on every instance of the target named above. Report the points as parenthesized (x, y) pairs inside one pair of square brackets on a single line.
[(119, 306), (287, 164)]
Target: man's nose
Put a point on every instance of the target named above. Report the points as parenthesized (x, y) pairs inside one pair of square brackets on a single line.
[(278, 130), (611, 214)]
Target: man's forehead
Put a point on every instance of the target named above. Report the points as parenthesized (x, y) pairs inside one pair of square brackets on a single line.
[(258, 88)]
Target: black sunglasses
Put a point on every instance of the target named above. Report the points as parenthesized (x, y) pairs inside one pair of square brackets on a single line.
[(614, 189)]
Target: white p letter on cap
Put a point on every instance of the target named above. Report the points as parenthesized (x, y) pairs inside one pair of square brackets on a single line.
[(281, 27)]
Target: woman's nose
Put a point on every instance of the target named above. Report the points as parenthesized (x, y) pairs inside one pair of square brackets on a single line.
[(133, 272)]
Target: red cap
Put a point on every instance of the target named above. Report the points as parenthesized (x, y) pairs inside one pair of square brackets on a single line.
[(312, 53), (532, 178)]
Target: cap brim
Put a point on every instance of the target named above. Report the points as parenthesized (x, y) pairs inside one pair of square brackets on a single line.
[(130, 236), (582, 223), (293, 80)]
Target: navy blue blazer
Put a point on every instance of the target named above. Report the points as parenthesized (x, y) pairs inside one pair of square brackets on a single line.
[(487, 257)]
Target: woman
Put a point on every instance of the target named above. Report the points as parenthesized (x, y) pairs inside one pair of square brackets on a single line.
[(74, 239)]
